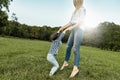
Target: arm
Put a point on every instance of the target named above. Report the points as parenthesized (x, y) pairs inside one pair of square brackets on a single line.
[(75, 25), (64, 27), (62, 34)]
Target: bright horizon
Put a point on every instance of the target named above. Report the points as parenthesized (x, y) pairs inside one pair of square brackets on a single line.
[(58, 12)]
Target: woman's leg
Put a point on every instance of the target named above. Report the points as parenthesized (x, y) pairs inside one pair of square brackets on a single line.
[(51, 59), (78, 36), (68, 50), (76, 46), (69, 46)]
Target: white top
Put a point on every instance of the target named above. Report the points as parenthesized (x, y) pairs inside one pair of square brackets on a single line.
[(78, 17)]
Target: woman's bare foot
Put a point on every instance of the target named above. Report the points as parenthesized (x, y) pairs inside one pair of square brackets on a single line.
[(74, 72), (64, 65)]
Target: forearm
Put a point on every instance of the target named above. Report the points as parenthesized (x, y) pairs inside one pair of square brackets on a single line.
[(76, 25), (64, 27)]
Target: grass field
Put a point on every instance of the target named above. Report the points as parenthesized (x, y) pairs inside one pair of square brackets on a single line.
[(22, 59)]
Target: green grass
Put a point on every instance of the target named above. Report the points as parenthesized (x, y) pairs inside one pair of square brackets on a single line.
[(22, 59)]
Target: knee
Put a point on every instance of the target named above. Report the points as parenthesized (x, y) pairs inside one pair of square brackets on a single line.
[(69, 46), (75, 49), (48, 58), (57, 66)]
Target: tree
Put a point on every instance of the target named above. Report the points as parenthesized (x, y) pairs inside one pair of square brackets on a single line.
[(105, 36), (14, 18), (5, 4), (109, 36), (3, 15), (3, 18)]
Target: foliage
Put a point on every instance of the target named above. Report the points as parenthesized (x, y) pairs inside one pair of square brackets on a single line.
[(3, 18), (5, 4), (3, 15), (110, 36), (32, 32), (105, 36)]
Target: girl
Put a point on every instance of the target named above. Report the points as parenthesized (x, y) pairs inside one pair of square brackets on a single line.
[(56, 42)]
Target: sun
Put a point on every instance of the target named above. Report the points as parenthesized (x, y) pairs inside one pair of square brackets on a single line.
[(92, 19)]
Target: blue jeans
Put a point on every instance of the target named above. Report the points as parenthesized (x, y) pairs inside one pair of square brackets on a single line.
[(51, 58), (75, 39)]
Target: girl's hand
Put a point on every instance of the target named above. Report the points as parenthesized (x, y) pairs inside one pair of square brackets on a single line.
[(64, 27), (59, 30)]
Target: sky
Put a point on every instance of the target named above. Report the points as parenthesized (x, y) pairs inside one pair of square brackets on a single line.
[(56, 13)]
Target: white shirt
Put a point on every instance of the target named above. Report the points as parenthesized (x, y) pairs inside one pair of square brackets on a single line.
[(78, 17)]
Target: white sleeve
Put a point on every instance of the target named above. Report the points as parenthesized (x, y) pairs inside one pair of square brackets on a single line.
[(78, 17), (82, 15), (71, 20)]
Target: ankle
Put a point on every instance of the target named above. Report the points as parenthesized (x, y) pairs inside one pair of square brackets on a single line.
[(75, 68), (65, 63)]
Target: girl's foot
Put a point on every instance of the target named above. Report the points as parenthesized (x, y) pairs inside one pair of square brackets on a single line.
[(64, 65), (50, 74)]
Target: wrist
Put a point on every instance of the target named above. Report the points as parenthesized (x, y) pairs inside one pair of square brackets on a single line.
[(58, 31), (64, 31)]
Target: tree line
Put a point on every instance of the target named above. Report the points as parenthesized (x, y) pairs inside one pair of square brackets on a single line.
[(15, 29), (105, 36)]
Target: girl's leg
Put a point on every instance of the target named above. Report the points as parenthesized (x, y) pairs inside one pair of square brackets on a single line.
[(51, 59)]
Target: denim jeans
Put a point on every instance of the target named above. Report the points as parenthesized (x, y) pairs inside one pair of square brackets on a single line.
[(75, 39), (51, 58)]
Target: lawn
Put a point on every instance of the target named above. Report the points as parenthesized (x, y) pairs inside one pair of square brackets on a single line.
[(23, 59)]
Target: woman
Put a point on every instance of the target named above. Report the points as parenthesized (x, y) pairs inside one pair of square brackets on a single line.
[(76, 35)]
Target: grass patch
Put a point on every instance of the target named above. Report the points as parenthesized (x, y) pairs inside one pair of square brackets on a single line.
[(22, 59)]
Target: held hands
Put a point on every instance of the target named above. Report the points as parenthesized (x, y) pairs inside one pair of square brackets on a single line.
[(67, 29), (59, 30)]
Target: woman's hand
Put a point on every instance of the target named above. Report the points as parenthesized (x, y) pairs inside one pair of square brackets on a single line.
[(69, 28), (64, 27)]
